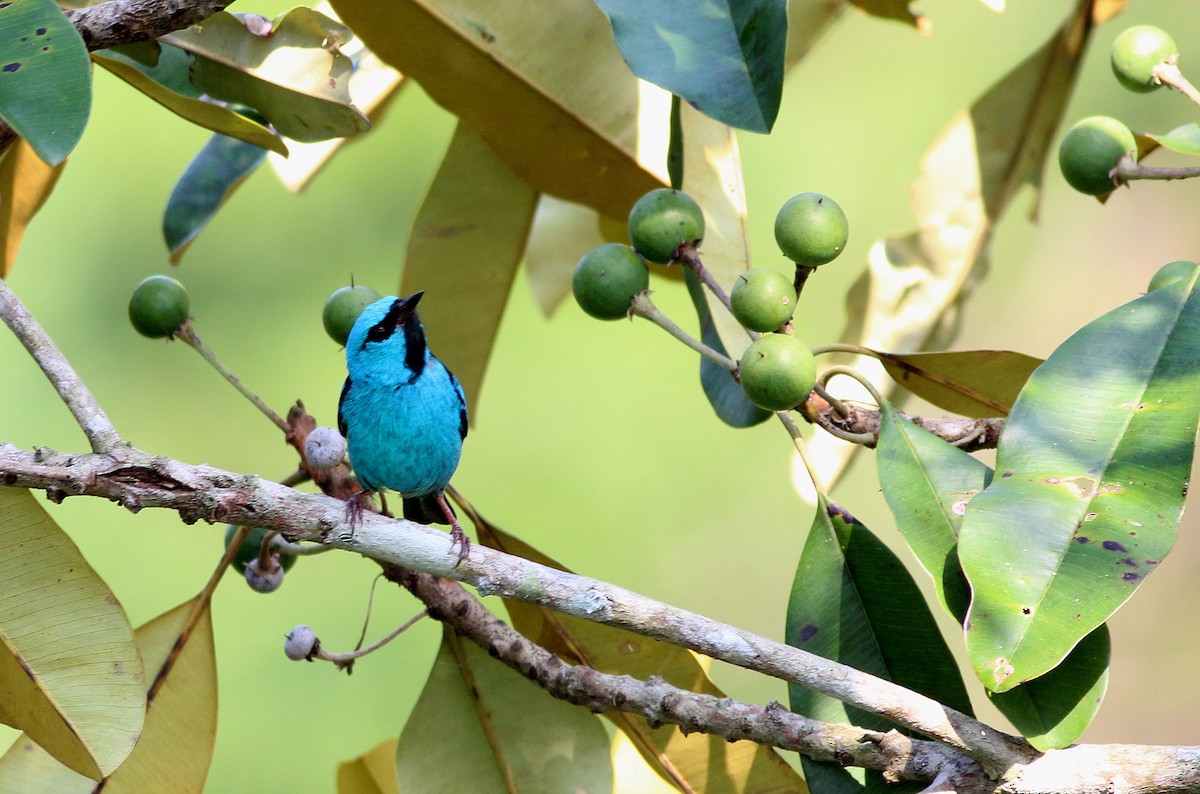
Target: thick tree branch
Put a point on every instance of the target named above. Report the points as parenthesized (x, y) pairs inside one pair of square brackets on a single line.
[(970, 435)]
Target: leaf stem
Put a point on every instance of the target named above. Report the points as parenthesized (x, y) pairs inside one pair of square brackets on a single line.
[(187, 333), (802, 448)]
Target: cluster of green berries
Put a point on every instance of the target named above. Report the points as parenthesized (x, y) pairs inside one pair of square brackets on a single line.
[(665, 226), (1092, 147)]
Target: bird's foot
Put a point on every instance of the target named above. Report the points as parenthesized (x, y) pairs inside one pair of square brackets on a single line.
[(457, 536), (354, 510)]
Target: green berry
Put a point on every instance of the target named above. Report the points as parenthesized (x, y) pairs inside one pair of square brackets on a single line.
[(661, 221), (158, 306), (1170, 273), (1137, 52), (777, 372), (606, 280), (762, 299), (1090, 151), (811, 229), (342, 309), (249, 549)]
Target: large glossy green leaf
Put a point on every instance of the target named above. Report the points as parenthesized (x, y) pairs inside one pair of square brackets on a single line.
[(290, 70), (726, 62), (45, 78), (466, 243), (1092, 470), (692, 762), (543, 84), (928, 484), (974, 383), (209, 180), (853, 601), (482, 726)]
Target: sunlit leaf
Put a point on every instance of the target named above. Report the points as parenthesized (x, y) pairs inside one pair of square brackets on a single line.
[(466, 243), (219, 119), (973, 383), (910, 297), (694, 762), (371, 773), (928, 484), (562, 232), (1185, 139), (25, 184), (45, 79), (1092, 468), (215, 172), (69, 667), (481, 726), (853, 601), (544, 85), (292, 72), (726, 62)]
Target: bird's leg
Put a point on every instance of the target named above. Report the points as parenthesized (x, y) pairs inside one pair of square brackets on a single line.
[(457, 536), (354, 509)]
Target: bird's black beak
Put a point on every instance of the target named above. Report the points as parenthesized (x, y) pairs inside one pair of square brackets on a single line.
[(406, 307)]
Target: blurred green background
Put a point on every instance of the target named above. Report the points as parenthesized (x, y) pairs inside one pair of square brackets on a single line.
[(592, 441)]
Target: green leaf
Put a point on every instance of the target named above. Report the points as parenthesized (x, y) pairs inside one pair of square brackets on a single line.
[(692, 762), (210, 179), (45, 78), (1093, 466), (471, 229), (481, 726), (1185, 139), (289, 70), (722, 390), (69, 667), (563, 114), (853, 601), (727, 62), (973, 383), (219, 119), (928, 484)]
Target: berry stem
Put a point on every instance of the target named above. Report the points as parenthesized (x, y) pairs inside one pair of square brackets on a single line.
[(345, 659), (1167, 73), (642, 306), (690, 257), (1129, 169), (188, 334), (802, 274)]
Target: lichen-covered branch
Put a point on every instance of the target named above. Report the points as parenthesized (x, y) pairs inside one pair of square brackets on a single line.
[(970, 435)]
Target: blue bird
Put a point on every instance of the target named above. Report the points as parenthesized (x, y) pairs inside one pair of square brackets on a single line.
[(403, 414)]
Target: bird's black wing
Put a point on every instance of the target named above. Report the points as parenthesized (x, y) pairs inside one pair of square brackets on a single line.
[(462, 405), (341, 417)]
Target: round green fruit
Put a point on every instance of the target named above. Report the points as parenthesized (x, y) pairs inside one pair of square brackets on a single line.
[(248, 551), (606, 280), (158, 306), (1090, 151), (342, 309), (1170, 273), (661, 221), (762, 299), (811, 229), (777, 372), (1135, 54)]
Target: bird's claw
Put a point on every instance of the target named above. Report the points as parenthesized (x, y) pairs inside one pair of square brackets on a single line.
[(460, 539)]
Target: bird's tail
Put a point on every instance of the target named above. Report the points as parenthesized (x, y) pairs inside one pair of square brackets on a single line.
[(425, 510)]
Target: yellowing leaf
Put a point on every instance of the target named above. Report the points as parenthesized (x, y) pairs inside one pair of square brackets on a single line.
[(372, 773), (25, 183), (563, 231), (466, 243), (543, 84), (69, 668)]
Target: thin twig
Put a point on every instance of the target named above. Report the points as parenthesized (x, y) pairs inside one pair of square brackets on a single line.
[(643, 306), (188, 335)]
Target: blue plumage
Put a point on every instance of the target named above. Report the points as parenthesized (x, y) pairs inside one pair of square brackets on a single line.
[(402, 412)]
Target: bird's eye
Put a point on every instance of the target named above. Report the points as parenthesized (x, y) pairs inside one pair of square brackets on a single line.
[(378, 332)]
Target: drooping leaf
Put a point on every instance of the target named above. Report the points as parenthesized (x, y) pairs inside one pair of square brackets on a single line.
[(973, 383), (471, 230), (1185, 139), (910, 297), (853, 601), (217, 170), (1092, 470), (928, 484), (289, 70), (726, 62), (220, 120), (45, 79), (373, 772), (69, 668), (562, 232), (544, 85), (695, 762), (25, 184), (481, 726)]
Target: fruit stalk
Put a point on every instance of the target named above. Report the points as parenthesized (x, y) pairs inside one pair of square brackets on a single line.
[(187, 334), (642, 306)]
